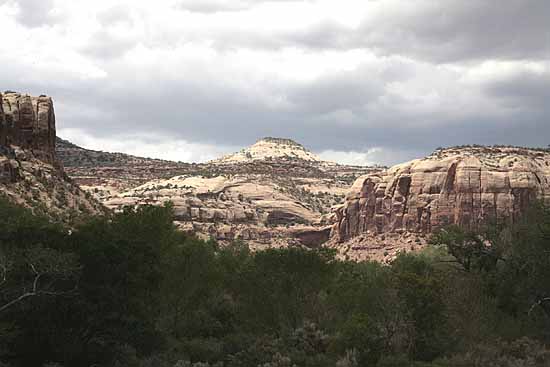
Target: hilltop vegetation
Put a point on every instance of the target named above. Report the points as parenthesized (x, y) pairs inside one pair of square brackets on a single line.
[(518, 148), (133, 291)]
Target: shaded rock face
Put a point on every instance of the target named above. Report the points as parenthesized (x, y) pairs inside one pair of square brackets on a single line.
[(30, 174), (463, 186), (29, 123), (312, 237)]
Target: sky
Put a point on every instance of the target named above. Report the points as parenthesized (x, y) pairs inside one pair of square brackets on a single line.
[(359, 82)]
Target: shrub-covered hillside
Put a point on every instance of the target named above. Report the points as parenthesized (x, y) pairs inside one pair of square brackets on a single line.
[(133, 291)]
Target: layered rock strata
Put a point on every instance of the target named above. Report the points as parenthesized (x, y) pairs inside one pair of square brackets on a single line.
[(464, 186), (30, 173), (274, 193), (255, 208), (29, 123)]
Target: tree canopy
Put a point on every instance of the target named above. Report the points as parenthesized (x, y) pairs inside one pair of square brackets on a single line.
[(131, 290)]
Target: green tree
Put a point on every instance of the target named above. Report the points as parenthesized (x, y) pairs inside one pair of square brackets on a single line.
[(472, 250), (37, 270), (282, 288), (420, 290), (122, 271), (522, 282), (191, 279)]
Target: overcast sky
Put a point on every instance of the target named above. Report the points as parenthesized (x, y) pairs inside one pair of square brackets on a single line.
[(378, 81)]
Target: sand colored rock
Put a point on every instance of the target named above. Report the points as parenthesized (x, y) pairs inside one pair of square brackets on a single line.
[(270, 197), (463, 186), (29, 122), (270, 149), (30, 173), (226, 208)]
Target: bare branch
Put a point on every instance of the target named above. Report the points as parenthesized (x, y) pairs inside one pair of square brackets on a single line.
[(33, 269), (17, 300), (4, 274), (33, 294), (538, 303), (35, 282)]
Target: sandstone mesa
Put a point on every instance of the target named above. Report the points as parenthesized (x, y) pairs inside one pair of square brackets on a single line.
[(275, 192)]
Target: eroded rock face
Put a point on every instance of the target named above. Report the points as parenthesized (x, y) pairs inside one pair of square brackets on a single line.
[(30, 174), (29, 122), (463, 186), (274, 193), (240, 207)]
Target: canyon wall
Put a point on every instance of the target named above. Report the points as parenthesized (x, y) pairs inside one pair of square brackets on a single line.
[(29, 123), (466, 186), (30, 173)]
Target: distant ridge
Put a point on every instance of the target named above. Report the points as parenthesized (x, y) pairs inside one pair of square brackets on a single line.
[(72, 155)]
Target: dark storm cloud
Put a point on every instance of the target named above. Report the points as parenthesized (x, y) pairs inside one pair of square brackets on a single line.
[(524, 90), (443, 31), (219, 114), (350, 91), (337, 113), (413, 92)]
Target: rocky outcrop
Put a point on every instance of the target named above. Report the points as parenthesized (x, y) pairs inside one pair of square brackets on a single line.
[(29, 123), (270, 149), (30, 174), (464, 186), (240, 207), (312, 237)]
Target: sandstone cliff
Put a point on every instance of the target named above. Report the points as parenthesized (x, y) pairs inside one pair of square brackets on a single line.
[(29, 123), (464, 186), (30, 173)]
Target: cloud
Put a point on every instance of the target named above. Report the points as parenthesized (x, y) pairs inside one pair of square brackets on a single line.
[(444, 31), (369, 81), (369, 157), (214, 6), (147, 145), (524, 86), (35, 13)]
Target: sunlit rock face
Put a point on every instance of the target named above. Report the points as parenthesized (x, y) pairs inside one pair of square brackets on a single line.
[(270, 149), (464, 186), (273, 193)]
